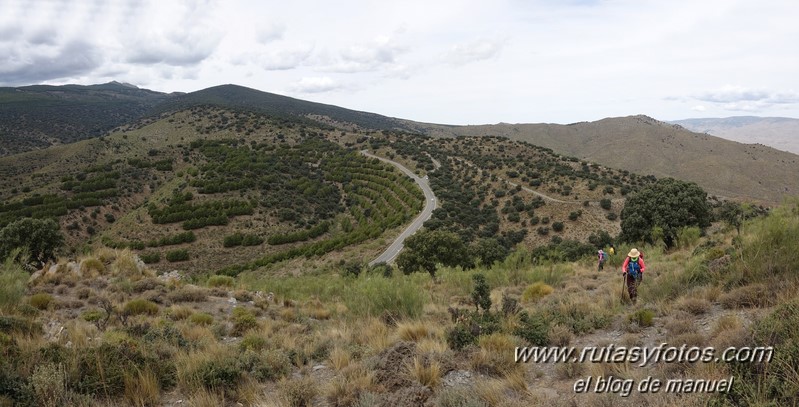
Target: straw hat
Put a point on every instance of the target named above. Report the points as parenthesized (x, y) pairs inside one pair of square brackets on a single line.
[(633, 253)]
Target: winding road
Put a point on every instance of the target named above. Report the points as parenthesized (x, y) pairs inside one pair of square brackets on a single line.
[(394, 249)]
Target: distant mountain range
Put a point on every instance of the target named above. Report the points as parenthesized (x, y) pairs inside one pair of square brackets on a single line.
[(781, 133), (35, 117)]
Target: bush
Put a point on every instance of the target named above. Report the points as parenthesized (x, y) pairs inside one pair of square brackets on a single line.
[(177, 255), (459, 337), (150, 258), (140, 306), (642, 317), (557, 226), (605, 204), (201, 318), (533, 329), (41, 301), (243, 321), (13, 281), (221, 281), (536, 291), (188, 294)]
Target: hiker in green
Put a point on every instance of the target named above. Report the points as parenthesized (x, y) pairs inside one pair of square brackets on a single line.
[(633, 272)]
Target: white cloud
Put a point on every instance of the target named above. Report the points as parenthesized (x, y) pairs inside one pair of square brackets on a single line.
[(270, 32), (316, 84), (472, 52), (380, 53), (699, 108), (739, 98)]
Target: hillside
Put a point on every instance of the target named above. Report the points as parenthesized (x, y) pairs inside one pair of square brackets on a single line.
[(241, 98), (646, 146), (213, 190), (781, 133), (35, 117)]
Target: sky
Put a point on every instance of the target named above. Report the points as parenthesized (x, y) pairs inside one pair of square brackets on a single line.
[(445, 61)]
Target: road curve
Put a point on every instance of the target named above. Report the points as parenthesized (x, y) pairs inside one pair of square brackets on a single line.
[(394, 249)]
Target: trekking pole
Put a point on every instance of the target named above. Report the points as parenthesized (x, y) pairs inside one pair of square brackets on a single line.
[(623, 278)]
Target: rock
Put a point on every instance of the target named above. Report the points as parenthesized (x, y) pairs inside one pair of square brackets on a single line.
[(457, 378), (232, 301)]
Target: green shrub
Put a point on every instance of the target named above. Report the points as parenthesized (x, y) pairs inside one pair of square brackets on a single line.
[(140, 306), (536, 291), (202, 318), (243, 321), (41, 301), (688, 236), (13, 281), (177, 255), (150, 257), (459, 337), (642, 317), (221, 281), (13, 324), (221, 373), (533, 329), (102, 370)]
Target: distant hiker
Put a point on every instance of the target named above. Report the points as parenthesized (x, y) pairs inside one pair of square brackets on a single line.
[(633, 272), (602, 258), (612, 250)]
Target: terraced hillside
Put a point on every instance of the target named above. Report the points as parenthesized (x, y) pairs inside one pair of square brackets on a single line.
[(208, 189)]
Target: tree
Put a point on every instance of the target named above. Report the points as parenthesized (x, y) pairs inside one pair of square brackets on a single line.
[(733, 214), (39, 238), (481, 295), (669, 204), (427, 248), (488, 251)]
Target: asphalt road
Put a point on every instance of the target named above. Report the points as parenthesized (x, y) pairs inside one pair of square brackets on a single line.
[(394, 249)]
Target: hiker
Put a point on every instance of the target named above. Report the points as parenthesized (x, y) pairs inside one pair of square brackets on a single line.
[(633, 272), (602, 257), (612, 250)]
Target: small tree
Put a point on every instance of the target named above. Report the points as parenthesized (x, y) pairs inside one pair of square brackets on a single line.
[(481, 295), (427, 248), (39, 238)]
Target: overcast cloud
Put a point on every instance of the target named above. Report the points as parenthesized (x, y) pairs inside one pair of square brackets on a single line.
[(459, 62)]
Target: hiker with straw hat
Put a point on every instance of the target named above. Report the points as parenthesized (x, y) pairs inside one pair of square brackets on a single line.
[(633, 272)]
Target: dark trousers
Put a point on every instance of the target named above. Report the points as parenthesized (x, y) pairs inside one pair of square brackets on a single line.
[(632, 287)]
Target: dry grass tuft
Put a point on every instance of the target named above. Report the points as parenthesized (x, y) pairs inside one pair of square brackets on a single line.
[(179, 312), (415, 331), (560, 335), (496, 355), (693, 305), (339, 358), (428, 374), (754, 295), (141, 388)]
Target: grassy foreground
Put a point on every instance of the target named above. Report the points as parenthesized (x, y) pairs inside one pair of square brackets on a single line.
[(105, 330)]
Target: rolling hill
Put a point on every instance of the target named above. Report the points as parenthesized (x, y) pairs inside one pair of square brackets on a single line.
[(636, 143), (781, 133), (644, 145), (35, 117)]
